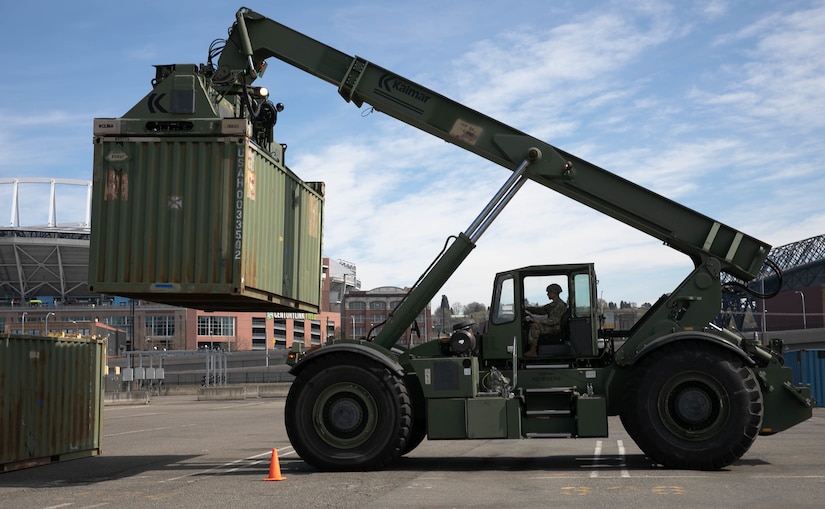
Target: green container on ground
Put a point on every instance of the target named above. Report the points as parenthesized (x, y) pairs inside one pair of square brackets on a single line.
[(208, 222), (51, 399)]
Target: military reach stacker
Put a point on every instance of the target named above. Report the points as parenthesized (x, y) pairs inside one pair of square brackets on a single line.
[(691, 394)]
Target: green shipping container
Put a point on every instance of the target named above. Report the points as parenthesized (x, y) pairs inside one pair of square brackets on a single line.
[(206, 222), (51, 397)]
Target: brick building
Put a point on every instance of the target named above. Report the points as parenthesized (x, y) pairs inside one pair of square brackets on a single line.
[(363, 313)]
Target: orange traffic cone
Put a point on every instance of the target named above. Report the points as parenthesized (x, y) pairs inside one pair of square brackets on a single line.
[(274, 468)]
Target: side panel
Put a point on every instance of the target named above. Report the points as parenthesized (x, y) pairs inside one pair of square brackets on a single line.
[(448, 377), (51, 393), (591, 416), (282, 221), (473, 418), (489, 418), (447, 419)]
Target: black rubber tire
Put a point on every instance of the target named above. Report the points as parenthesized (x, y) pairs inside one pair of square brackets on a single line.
[(693, 405), (419, 406), (348, 412), (417, 435)]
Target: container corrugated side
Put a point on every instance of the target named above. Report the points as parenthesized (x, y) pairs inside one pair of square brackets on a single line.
[(209, 223), (51, 396), (808, 368)]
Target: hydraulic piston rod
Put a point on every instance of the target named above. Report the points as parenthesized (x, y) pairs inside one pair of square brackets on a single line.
[(450, 259)]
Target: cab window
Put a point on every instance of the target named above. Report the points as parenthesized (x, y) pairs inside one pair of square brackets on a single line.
[(581, 293), (504, 301), (535, 289)]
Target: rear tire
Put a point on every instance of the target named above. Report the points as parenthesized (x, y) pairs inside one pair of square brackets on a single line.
[(692, 405), (347, 412)]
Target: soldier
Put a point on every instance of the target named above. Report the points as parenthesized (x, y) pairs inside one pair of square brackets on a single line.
[(549, 322)]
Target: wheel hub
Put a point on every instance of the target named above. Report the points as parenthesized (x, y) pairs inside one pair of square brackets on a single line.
[(693, 407), (343, 416)]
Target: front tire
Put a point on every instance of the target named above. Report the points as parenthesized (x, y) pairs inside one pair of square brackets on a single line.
[(347, 412), (418, 432), (693, 405)]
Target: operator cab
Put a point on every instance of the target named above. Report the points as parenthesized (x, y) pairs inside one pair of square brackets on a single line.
[(520, 297)]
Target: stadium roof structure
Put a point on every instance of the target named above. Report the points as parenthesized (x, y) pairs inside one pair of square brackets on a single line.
[(796, 266), (49, 259), (802, 263)]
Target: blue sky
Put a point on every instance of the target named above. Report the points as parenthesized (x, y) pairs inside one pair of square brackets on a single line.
[(719, 105)]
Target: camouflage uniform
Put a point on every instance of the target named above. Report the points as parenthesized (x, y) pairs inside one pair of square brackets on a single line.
[(550, 324)]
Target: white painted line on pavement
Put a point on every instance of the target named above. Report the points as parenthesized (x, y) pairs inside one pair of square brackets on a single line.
[(596, 455), (622, 463), (147, 430), (222, 469)]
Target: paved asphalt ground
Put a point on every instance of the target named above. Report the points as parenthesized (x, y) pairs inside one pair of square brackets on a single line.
[(178, 452)]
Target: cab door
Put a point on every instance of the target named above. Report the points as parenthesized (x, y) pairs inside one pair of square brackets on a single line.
[(583, 324)]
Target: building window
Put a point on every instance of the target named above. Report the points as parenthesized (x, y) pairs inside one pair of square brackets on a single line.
[(378, 304), (315, 332), (357, 304), (160, 325), (76, 318), (279, 331), (259, 334), (216, 326)]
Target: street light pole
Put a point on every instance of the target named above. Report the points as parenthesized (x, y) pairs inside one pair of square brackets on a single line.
[(804, 317), (24, 322), (47, 322)]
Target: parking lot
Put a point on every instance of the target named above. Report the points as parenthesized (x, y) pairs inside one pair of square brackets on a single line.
[(180, 452)]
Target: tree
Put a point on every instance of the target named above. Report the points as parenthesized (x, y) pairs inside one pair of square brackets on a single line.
[(474, 307)]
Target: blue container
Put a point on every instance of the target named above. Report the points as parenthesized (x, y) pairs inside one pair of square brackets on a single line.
[(808, 367)]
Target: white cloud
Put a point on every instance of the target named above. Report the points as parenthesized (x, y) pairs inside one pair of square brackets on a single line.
[(782, 78)]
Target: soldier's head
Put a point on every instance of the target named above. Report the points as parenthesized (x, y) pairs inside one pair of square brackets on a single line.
[(553, 289)]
